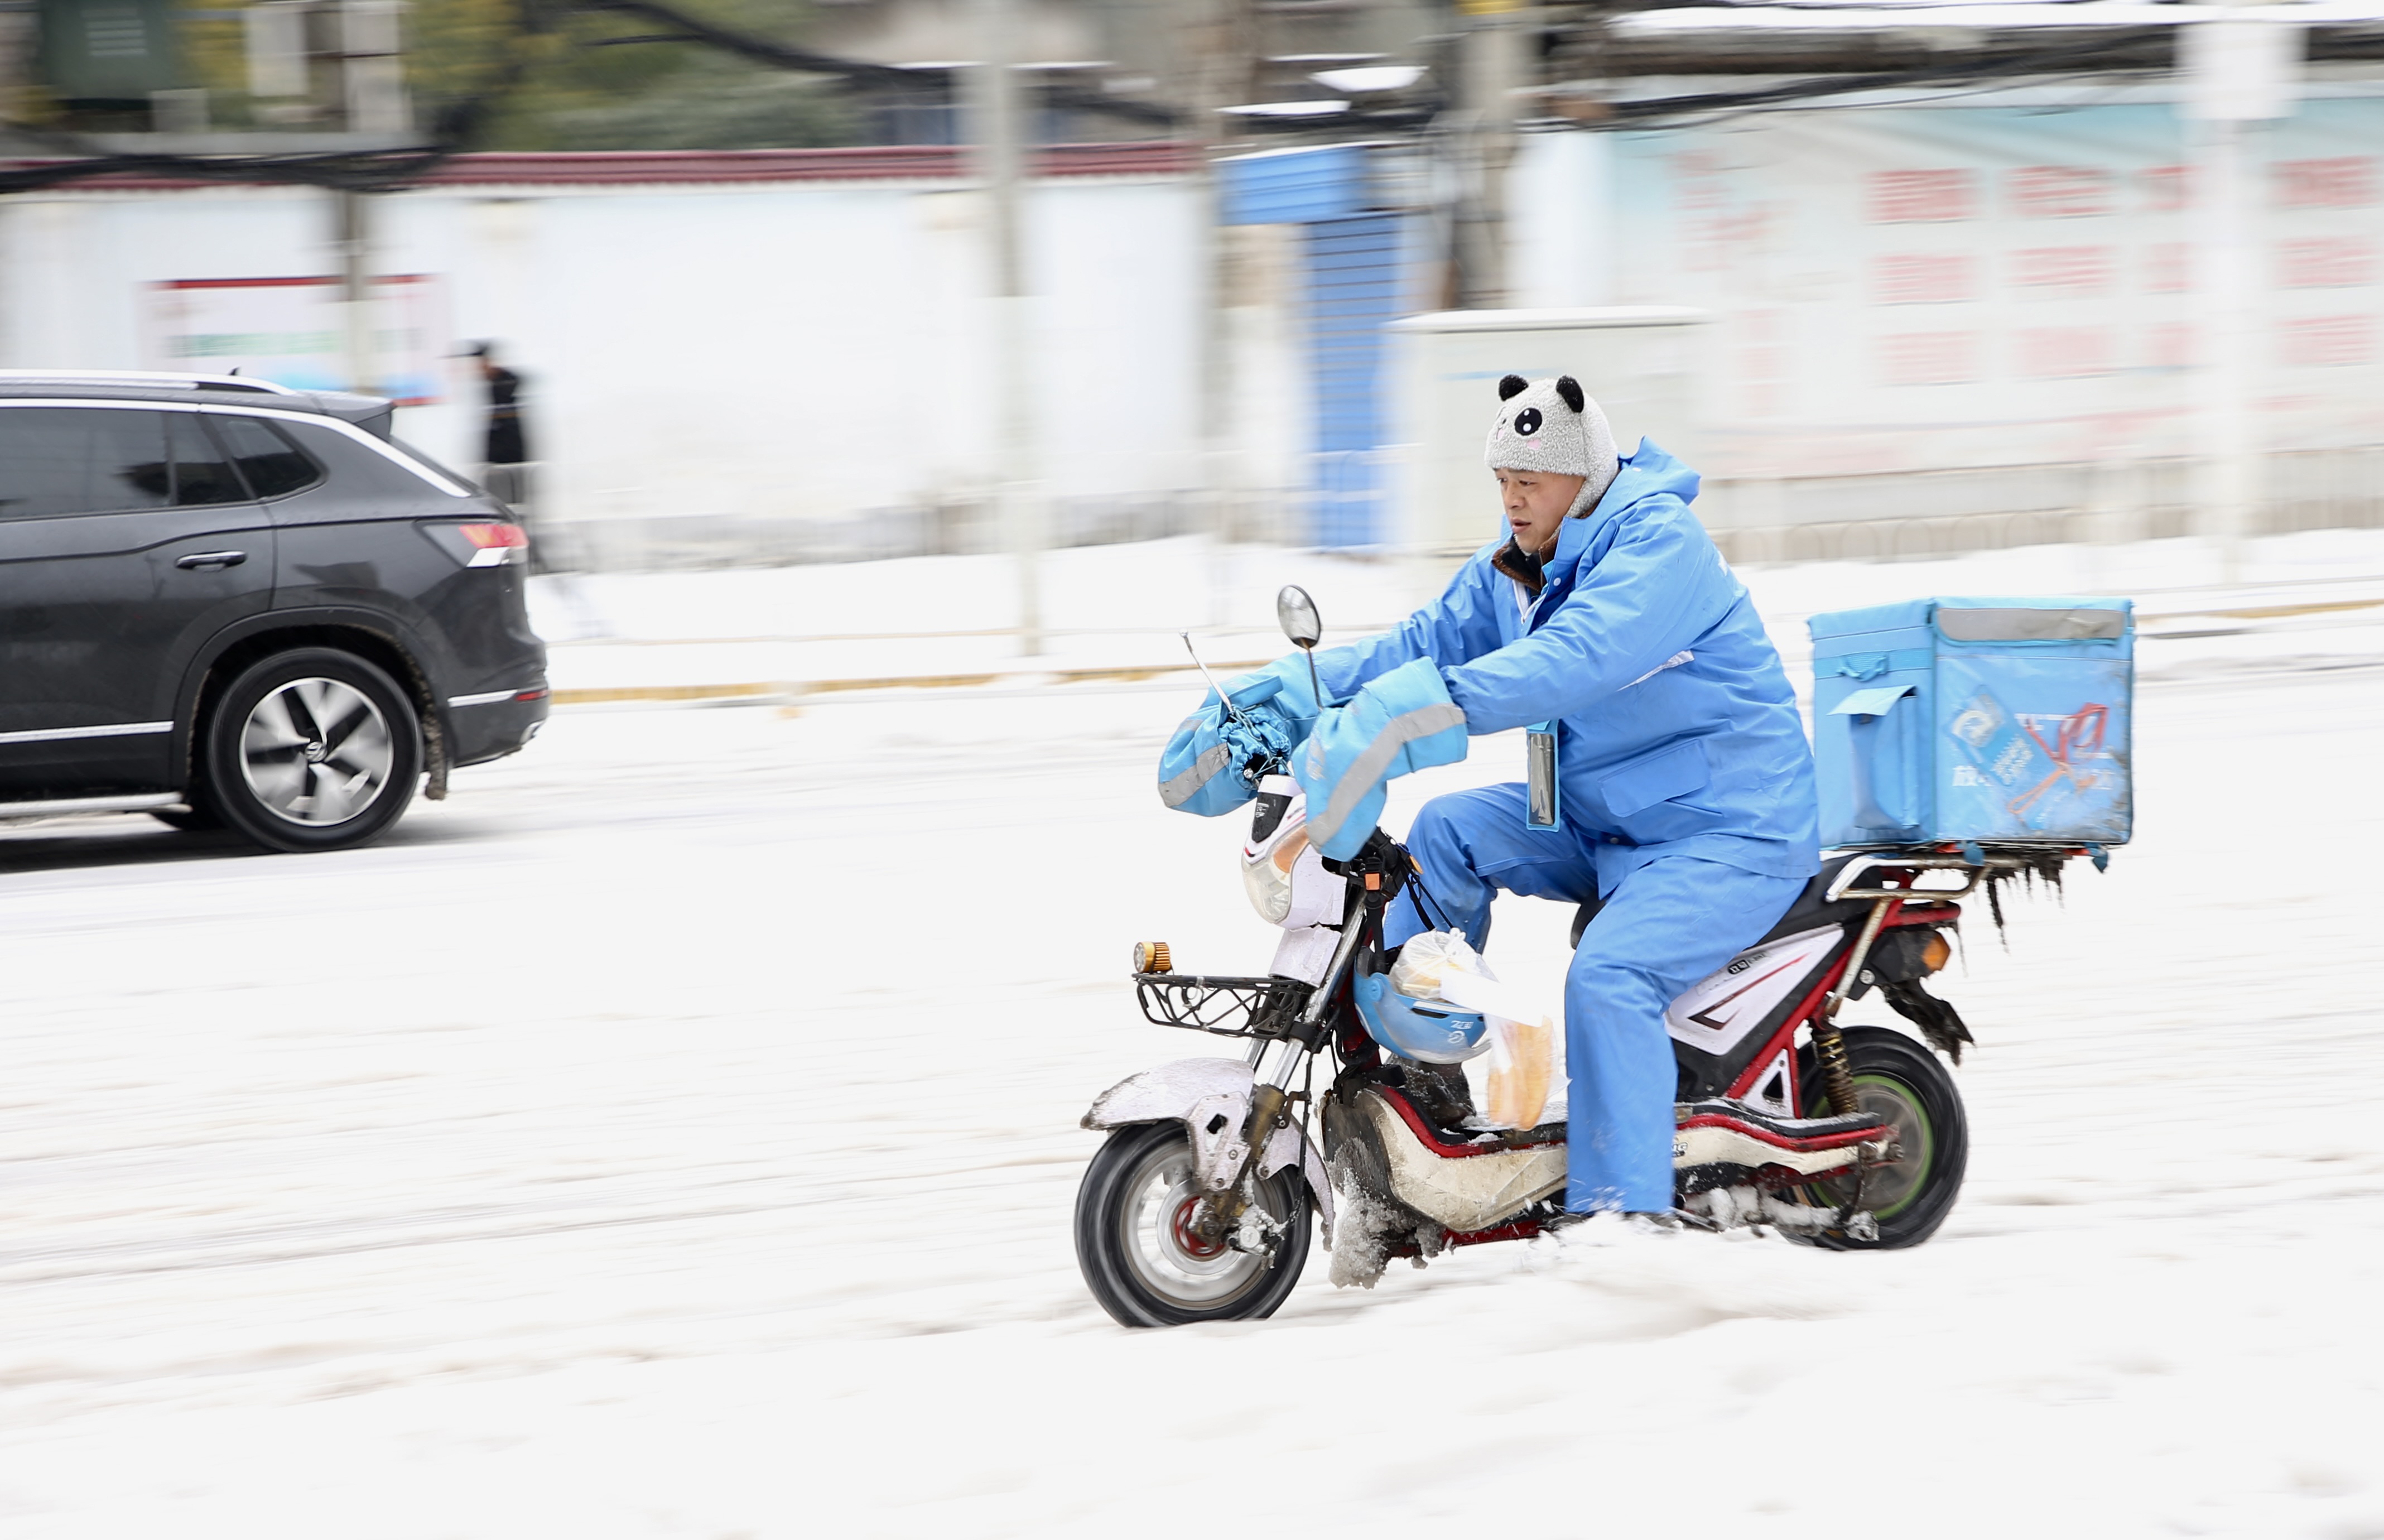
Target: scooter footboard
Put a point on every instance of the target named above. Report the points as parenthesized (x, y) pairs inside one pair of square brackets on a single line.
[(1211, 1099)]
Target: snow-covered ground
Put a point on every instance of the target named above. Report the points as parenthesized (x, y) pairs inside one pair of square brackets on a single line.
[(674, 1133), (1121, 607)]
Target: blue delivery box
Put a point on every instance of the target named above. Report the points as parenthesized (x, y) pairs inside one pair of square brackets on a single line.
[(1997, 721)]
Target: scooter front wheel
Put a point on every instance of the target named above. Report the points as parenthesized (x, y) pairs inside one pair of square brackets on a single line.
[(1140, 1256)]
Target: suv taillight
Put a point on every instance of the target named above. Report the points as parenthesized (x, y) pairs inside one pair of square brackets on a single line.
[(495, 544)]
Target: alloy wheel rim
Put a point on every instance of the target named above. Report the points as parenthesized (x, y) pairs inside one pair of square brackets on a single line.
[(1890, 1187), (1164, 1255), (316, 752)]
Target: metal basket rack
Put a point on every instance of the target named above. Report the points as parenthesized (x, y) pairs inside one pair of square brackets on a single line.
[(1221, 1006)]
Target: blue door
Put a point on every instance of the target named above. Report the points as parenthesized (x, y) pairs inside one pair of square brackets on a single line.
[(1352, 293)]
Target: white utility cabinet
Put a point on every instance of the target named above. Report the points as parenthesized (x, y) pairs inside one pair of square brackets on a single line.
[(1643, 363)]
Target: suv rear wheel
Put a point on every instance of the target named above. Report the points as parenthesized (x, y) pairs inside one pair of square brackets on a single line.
[(312, 749)]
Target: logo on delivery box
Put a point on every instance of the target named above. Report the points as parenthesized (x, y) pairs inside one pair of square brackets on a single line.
[(2037, 761)]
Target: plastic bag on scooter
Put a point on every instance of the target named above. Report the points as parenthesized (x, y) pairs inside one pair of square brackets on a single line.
[(1427, 959), (1517, 1072), (1439, 964)]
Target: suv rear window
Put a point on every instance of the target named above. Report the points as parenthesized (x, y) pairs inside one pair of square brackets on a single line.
[(273, 464), (201, 475)]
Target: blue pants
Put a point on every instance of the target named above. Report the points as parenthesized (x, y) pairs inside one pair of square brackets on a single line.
[(1664, 926)]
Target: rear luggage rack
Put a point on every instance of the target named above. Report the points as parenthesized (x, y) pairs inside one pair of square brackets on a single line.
[(1265, 1007), (1989, 864)]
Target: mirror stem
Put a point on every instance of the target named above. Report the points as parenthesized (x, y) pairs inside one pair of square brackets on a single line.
[(1231, 710), (1315, 687)]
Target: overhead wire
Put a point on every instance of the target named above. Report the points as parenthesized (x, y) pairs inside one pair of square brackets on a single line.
[(1669, 111)]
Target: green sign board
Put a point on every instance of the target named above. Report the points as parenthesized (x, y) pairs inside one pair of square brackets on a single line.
[(112, 52)]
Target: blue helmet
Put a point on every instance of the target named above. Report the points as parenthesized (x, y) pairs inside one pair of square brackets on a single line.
[(1426, 1030)]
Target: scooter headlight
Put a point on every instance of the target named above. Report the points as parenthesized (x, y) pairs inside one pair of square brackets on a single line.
[(1278, 834), (1266, 875)]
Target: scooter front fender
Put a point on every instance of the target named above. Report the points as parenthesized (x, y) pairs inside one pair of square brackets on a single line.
[(1211, 1099)]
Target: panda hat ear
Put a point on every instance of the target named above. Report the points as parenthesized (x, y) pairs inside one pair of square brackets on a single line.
[(1513, 386), (1569, 389)]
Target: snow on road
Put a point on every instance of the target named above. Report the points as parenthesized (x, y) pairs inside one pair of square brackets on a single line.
[(1121, 607), (674, 1133)]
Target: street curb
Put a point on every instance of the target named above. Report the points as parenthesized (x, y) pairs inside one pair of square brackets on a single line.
[(610, 694), (793, 692)]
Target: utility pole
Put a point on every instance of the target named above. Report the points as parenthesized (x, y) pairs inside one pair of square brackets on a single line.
[(352, 242), (1018, 495), (2240, 69), (1493, 70), (1226, 50), (366, 94)]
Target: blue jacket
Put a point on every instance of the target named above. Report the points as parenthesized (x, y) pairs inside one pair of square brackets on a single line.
[(1401, 722), (1678, 733)]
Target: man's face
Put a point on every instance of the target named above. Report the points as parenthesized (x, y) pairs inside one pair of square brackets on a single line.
[(1535, 503)]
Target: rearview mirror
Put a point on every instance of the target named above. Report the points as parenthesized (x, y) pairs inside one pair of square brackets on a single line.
[(1297, 614)]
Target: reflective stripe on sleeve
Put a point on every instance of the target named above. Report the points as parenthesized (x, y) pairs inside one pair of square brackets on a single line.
[(1180, 790), (1367, 770)]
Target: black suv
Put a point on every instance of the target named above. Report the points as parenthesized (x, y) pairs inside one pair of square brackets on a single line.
[(226, 602)]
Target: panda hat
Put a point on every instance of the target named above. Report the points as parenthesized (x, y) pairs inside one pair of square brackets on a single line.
[(1550, 426)]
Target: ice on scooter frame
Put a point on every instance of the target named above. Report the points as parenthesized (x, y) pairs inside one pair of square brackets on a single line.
[(1994, 721)]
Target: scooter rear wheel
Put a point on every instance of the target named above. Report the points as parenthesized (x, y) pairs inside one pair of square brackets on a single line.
[(1139, 1255), (1903, 1082)]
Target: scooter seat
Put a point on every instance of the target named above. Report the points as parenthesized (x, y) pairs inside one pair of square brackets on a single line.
[(1811, 910)]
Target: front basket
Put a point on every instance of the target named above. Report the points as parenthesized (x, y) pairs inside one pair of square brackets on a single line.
[(1224, 1007)]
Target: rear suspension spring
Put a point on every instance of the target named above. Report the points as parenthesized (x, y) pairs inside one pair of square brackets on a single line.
[(1829, 1050)]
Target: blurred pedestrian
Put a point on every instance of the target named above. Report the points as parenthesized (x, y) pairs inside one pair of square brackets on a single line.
[(507, 451), (505, 462)]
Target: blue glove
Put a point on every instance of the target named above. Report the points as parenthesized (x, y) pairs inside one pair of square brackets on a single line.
[(1282, 687), (1202, 769), (1205, 767), (1401, 722)]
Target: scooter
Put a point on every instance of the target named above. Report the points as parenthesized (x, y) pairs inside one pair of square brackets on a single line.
[(1199, 1204)]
